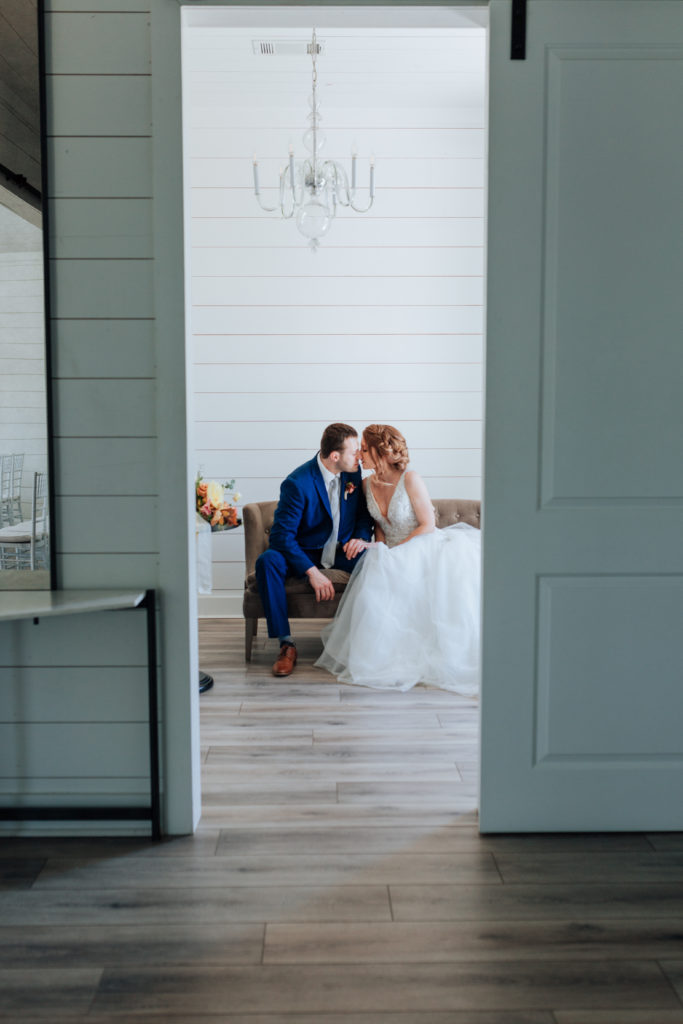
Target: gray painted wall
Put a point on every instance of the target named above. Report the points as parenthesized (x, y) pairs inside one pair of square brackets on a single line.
[(73, 712)]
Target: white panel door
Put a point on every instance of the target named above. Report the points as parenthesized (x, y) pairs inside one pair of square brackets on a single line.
[(582, 703)]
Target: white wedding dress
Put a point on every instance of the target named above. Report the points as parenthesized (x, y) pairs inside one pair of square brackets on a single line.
[(410, 613)]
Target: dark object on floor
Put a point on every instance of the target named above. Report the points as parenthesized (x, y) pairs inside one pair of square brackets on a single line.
[(205, 682)]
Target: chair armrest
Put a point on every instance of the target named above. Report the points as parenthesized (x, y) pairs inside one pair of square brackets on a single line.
[(255, 540)]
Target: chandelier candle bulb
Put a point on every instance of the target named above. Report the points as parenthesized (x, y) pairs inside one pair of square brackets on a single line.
[(291, 166), (256, 188)]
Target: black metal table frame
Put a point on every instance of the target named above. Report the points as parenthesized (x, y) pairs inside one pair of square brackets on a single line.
[(113, 813)]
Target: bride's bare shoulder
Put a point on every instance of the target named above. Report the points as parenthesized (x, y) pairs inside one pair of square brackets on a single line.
[(415, 485)]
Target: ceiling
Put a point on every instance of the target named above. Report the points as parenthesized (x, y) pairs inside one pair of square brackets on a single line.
[(19, 92), (389, 57)]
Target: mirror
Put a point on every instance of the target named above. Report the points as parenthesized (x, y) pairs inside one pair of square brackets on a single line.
[(25, 519)]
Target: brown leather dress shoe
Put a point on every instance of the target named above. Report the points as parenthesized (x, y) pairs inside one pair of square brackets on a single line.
[(284, 666)]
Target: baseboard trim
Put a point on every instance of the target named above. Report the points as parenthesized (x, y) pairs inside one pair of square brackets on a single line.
[(220, 606)]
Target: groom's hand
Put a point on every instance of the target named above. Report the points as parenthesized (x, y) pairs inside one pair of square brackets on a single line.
[(324, 588)]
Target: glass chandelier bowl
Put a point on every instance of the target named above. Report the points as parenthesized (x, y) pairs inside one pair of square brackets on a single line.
[(314, 140), (314, 220), (310, 190)]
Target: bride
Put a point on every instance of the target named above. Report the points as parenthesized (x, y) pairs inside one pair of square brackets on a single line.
[(410, 613)]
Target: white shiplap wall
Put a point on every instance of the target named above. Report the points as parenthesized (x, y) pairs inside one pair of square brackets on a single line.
[(385, 322), (73, 724)]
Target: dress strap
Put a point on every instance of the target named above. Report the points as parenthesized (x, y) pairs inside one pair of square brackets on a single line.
[(371, 501)]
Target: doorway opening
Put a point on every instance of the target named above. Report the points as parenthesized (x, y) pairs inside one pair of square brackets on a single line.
[(385, 323)]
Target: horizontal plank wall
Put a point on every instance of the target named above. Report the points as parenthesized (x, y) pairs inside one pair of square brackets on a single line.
[(385, 322), (74, 714)]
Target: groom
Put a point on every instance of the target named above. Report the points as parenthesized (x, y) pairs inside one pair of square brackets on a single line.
[(321, 508)]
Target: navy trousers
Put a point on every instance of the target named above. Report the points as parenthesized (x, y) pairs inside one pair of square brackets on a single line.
[(271, 573)]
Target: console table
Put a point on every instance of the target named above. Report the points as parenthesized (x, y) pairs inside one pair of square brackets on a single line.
[(38, 604)]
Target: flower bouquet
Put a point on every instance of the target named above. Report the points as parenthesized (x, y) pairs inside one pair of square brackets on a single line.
[(213, 506)]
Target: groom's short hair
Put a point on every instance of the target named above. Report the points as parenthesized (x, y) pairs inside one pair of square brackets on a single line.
[(334, 436)]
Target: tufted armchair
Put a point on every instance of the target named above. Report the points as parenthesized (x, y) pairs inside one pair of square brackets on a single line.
[(301, 602)]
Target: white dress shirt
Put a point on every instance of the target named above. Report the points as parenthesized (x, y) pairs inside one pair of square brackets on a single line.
[(332, 483)]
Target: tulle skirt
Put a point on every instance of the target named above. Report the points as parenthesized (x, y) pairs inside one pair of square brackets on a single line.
[(411, 614)]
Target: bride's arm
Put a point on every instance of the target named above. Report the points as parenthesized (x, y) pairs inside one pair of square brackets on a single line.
[(422, 505)]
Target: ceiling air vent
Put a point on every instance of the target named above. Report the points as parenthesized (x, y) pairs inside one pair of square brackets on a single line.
[(284, 47)]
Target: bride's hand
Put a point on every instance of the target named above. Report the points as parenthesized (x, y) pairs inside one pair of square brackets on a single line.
[(353, 548)]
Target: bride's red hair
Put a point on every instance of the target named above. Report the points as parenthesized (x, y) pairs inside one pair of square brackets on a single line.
[(389, 444)]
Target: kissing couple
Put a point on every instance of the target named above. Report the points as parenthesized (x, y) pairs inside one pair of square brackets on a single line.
[(410, 612)]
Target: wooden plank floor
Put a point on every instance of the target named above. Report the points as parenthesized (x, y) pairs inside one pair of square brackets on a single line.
[(338, 878)]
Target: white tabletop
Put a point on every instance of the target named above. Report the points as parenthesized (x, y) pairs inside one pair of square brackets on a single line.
[(27, 604)]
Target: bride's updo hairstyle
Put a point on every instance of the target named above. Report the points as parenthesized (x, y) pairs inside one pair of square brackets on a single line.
[(387, 444)]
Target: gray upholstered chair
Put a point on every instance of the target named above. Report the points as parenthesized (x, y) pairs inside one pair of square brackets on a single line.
[(301, 602)]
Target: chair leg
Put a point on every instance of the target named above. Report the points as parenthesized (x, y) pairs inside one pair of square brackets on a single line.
[(250, 630)]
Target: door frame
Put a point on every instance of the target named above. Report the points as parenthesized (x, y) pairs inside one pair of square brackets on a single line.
[(177, 558)]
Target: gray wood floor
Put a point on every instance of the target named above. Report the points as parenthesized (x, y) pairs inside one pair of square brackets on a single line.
[(338, 878)]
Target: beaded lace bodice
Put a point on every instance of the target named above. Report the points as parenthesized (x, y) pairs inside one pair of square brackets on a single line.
[(400, 519)]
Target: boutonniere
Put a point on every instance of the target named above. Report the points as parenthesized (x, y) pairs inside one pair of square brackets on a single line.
[(349, 489)]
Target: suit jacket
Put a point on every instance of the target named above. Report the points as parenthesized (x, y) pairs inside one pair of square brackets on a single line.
[(303, 520)]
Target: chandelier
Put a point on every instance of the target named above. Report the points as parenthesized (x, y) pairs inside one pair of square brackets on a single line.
[(312, 189)]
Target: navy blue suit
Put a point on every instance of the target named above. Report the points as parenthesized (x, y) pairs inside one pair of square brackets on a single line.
[(302, 525)]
